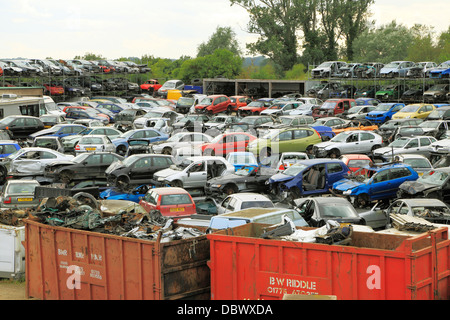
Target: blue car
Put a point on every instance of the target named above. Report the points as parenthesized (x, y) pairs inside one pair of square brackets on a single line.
[(308, 177), (384, 112), (396, 69), (367, 102), (8, 147), (133, 195), (382, 183), (112, 107), (59, 130), (442, 71), (242, 159), (148, 134)]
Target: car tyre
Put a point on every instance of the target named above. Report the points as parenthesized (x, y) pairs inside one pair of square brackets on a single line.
[(176, 184), (335, 153), (230, 189), (167, 151), (121, 150), (362, 201)]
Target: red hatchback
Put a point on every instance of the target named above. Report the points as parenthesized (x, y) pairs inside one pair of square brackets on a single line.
[(170, 201), (356, 162), (226, 143), (213, 104)]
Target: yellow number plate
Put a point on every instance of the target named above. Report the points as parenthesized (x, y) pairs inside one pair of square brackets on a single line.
[(91, 149), (176, 209), (25, 199)]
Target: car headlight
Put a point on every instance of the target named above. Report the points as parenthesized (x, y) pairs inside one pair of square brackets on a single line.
[(160, 179), (347, 192), (216, 185)]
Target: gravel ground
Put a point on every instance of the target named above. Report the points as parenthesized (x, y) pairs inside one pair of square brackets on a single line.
[(12, 290)]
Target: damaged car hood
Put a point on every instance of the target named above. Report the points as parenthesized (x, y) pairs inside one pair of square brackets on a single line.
[(414, 187), (346, 184)]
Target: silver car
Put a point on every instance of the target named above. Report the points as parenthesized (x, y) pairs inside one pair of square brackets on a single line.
[(19, 194), (92, 143), (358, 141), (240, 201), (180, 140), (405, 145), (194, 172), (418, 162)]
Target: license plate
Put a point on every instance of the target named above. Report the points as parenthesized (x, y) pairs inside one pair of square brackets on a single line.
[(420, 174), (91, 149), (24, 199), (176, 209)]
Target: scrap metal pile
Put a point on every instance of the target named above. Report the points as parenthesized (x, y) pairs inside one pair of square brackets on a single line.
[(84, 212)]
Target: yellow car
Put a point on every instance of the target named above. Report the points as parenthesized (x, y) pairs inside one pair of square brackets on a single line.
[(419, 110)]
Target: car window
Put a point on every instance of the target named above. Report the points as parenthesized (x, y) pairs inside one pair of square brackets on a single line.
[(142, 163), (414, 143), (364, 136), (299, 134), (47, 155), (285, 136), (424, 142), (381, 176), (398, 173), (108, 159), (160, 161), (232, 204), (197, 167), (151, 197), (334, 167), (226, 202), (175, 199), (94, 159)]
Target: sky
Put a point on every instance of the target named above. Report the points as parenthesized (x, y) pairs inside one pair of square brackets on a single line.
[(166, 29)]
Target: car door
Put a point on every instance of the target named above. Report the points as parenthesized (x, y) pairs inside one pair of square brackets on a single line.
[(424, 144), (412, 146), (367, 141), (352, 144), (92, 165), (378, 185), (222, 208), (283, 142), (140, 170), (152, 136), (195, 175)]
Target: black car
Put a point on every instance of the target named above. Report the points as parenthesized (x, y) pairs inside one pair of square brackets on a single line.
[(20, 127), (83, 167), (191, 122), (414, 94), (137, 169), (247, 179)]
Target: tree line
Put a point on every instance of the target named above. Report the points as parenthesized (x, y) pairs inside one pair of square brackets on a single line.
[(295, 34)]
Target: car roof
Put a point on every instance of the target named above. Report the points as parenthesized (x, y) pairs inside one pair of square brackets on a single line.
[(423, 202), (249, 196), (169, 190)]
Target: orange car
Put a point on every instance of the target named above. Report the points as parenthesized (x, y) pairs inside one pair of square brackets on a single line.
[(357, 125), (238, 101), (355, 162)]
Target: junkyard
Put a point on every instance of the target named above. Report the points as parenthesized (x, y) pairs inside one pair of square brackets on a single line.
[(117, 184)]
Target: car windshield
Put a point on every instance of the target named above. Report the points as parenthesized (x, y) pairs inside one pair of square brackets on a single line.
[(128, 161), (341, 137), (336, 210), (392, 65), (207, 101), (6, 121), (328, 105), (256, 204), (325, 65), (176, 137), (242, 158), (438, 87), (430, 124), (399, 143), (185, 102), (80, 158), (217, 139), (434, 177), (91, 140), (294, 169), (410, 108), (355, 109), (417, 163)]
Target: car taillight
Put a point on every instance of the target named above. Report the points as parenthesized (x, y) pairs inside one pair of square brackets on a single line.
[(8, 200), (77, 147), (282, 167)]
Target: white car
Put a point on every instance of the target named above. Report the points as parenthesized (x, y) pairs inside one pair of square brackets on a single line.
[(92, 143), (180, 140), (194, 172), (32, 161), (281, 108), (288, 159), (418, 145), (245, 200)]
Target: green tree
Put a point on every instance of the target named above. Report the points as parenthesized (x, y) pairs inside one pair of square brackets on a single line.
[(90, 56), (444, 46), (384, 44), (423, 47), (276, 24), (296, 73), (222, 38)]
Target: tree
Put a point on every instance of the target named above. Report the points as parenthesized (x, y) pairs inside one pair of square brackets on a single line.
[(444, 46), (90, 57), (423, 47), (384, 44), (276, 24), (222, 38), (352, 21)]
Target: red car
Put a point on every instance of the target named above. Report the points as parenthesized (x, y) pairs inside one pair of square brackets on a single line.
[(254, 108), (53, 89), (213, 104), (355, 162), (151, 85), (171, 202), (226, 143), (238, 102)]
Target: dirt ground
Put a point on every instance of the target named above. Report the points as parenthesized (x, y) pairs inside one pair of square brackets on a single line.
[(12, 290)]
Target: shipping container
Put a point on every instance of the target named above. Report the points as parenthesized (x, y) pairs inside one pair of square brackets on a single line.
[(372, 266), (72, 264), (12, 252)]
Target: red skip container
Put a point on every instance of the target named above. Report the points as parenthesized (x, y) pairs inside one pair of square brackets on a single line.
[(373, 266)]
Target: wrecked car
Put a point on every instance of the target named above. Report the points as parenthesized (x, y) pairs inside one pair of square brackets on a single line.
[(380, 183), (308, 177), (437, 93), (245, 200), (246, 179), (318, 210), (435, 184), (19, 194), (327, 69)]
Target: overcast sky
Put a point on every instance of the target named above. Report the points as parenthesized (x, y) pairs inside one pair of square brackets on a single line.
[(167, 29)]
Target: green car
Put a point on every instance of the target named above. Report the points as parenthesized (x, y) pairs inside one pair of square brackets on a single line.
[(284, 140), (391, 92)]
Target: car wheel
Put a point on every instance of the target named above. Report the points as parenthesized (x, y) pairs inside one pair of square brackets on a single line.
[(230, 189), (121, 150), (335, 153), (167, 151), (362, 201), (176, 184), (65, 176)]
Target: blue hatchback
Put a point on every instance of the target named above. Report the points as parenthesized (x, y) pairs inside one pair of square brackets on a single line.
[(149, 134), (308, 177), (382, 183), (8, 147), (384, 112)]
